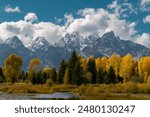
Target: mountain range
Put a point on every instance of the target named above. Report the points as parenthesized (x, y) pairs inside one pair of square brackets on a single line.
[(51, 55)]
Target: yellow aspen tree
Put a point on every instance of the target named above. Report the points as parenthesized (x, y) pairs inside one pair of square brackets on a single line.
[(104, 63), (66, 77), (144, 68), (126, 68), (12, 68), (98, 64), (34, 66)]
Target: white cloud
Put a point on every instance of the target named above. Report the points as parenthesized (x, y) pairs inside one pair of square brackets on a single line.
[(31, 17), (123, 10), (97, 21), (28, 31), (145, 5), (100, 21), (50, 31), (68, 19), (91, 20), (147, 19), (10, 9), (144, 39)]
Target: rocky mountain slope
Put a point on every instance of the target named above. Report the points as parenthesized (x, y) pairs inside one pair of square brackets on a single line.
[(51, 55)]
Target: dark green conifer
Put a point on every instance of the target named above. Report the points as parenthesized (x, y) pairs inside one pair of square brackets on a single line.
[(54, 75), (100, 76), (62, 69), (91, 67), (110, 77), (77, 74), (71, 65)]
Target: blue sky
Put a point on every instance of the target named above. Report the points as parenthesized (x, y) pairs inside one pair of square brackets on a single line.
[(131, 16), (47, 10)]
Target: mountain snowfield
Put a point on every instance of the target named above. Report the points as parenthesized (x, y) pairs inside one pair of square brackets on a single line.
[(52, 54)]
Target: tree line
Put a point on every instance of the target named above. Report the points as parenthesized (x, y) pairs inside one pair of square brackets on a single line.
[(78, 70)]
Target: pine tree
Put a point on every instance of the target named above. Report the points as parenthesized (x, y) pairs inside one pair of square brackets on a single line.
[(2, 77), (77, 74), (66, 77), (34, 78), (71, 64), (54, 75), (91, 67), (100, 76), (26, 75), (42, 77), (62, 69), (39, 78), (110, 77), (45, 77), (47, 72), (22, 76)]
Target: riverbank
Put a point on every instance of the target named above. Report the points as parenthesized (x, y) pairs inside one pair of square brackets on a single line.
[(125, 91), (40, 89), (128, 91)]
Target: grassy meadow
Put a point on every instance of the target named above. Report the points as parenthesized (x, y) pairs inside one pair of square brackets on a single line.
[(125, 91)]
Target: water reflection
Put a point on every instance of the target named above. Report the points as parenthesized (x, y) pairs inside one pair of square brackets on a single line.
[(31, 96)]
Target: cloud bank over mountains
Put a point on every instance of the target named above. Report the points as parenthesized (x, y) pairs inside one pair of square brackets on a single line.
[(90, 21)]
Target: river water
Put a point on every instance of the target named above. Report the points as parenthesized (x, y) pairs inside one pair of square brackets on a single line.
[(32, 96)]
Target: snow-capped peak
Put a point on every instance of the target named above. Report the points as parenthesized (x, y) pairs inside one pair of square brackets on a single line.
[(74, 36), (73, 39), (14, 42), (91, 38), (110, 36), (39, 43), (94, 36)]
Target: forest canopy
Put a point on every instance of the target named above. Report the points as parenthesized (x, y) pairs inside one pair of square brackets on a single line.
[(78, 70)]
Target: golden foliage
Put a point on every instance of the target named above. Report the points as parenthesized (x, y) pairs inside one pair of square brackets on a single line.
[(12, 67), (126, 68), (34, 66), (66, 77), (144, 68)]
